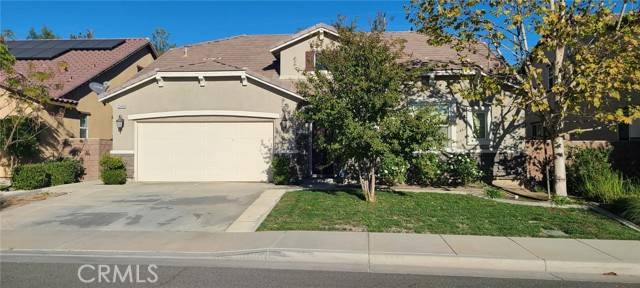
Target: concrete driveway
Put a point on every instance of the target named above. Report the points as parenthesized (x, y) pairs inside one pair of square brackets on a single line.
[(209, 207)]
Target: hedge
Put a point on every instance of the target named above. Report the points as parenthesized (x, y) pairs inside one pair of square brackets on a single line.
[(45, 174), (30, 176), (64, 171)]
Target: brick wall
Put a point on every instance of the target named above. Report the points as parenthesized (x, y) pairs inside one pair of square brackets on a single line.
[(88, 151)]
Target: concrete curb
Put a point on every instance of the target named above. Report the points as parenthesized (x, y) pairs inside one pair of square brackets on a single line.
[(252, 217), (347, 260)]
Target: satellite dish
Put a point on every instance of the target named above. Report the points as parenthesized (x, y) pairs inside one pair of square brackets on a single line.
[(98, 88)]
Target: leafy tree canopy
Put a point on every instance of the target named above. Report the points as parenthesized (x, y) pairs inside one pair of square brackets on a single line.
[(360, 104), (585, 65), (45, 33)]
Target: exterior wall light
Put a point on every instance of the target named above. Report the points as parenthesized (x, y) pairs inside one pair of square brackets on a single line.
[(120, 123)]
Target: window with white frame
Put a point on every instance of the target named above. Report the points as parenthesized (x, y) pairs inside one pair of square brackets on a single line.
[(84, 126), (444, 110), (479, 125)]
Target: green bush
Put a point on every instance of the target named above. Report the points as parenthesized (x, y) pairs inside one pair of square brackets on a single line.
[(392, 170), (560, 200), (112, 170), (114, 177), (629, 208), (108, 162), (30, 176), (462, 170), (427, 170), (494, 193), (284, 170), (585, 164), (591, 176), (64, 171), (604, 187)]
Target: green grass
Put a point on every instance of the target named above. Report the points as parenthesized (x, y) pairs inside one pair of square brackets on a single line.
[(434, 213)]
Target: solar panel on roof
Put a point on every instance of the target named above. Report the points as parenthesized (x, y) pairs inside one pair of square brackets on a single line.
[(49, 49)]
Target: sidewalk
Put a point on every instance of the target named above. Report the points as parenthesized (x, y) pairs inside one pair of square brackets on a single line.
[(350, 251)]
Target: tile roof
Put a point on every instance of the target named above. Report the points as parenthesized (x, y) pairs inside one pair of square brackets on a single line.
[(251, 53), (76, 67)]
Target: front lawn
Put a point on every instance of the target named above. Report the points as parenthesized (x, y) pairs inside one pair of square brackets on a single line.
[(435, 213)]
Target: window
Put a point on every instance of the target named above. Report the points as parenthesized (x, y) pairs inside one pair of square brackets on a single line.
[(480, 125), (537, 131), (443, 111), (310, 61), (84, 127)]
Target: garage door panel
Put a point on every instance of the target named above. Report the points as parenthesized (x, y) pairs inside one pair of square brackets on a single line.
[(239, 151)]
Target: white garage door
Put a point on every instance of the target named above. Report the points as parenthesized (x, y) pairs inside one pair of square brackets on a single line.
[(238, 151)]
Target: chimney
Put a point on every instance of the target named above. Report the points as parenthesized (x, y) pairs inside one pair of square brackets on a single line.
[(185, 51)]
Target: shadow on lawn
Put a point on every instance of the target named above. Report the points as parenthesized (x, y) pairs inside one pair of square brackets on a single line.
[(355, 192)]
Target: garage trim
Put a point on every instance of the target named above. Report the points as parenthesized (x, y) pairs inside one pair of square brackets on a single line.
[(204, 113)]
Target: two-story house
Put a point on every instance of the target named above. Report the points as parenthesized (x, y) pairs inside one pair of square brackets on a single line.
[(76, 123)]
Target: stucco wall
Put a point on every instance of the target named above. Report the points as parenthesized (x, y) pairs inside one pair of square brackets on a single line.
[(99, 118), (506, 125), (185, 94), (292, 58)]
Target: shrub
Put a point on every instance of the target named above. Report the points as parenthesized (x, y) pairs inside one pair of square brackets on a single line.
[(560, 200), (64, 171), (392, 170), (108, 162), (585, 164), (605, 186), (493, 192), (462, 169), (426, 169), (112, 170), (114, 177), (629, 208), (30, 176), (284, 170)]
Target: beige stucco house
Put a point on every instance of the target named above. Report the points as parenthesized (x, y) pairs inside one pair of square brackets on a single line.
[(219, 110), (77, 122)]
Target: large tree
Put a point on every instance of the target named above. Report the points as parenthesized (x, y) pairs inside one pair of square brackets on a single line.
[(358, 101), (160, 40), (585, 64)]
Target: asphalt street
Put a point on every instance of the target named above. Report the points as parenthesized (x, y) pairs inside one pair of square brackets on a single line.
[(66, 275)]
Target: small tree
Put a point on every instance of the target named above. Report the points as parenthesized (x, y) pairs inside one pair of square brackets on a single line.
[(585, 63), (360, 104), (45, 33), (88, 34), (23, 98), (160, 40)]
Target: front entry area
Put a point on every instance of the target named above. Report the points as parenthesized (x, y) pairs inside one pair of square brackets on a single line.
[(203, 151)]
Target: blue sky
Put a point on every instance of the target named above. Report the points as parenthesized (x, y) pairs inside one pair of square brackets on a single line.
[(187, 21)]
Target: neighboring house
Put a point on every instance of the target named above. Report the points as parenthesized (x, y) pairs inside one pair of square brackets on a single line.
[(584, 130), (219, 110), (583, 127), (78, 124)]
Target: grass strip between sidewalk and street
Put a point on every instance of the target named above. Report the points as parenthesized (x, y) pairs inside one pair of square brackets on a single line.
[(410, 212)]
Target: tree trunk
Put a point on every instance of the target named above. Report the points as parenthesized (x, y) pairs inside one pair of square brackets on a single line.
[(368, 184), (559, 171)]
